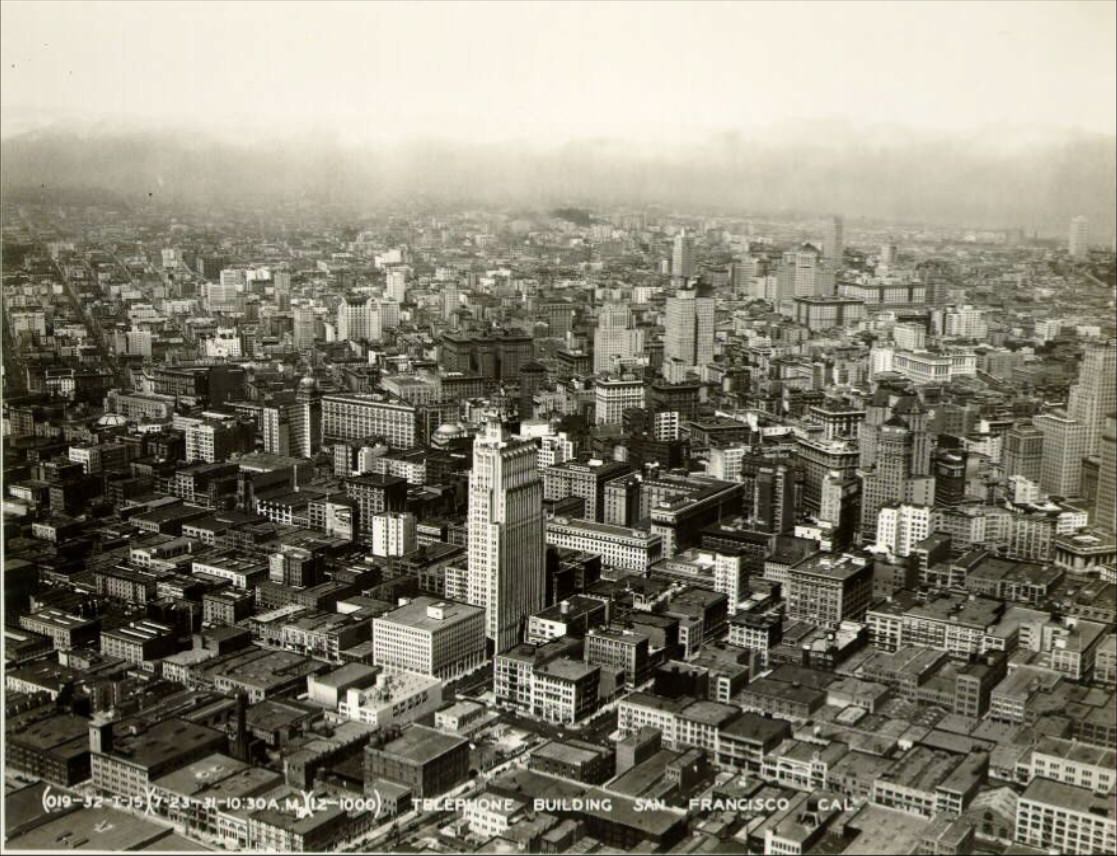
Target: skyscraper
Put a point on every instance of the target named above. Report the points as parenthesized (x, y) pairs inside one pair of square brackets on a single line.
[(1105, 507), (1023, 452), (834, 242), (281, 283), (396, 284), (1094, 397), (451, 299), (900, 471), (689, 329), (506, 547), (614, 337), (1078, 240), (803, 273), (303, 327), (354, 320), (682, 261), (1064, 445)]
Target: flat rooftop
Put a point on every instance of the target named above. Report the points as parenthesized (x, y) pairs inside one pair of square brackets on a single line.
[(103, 830), (421, 744), (414, 614)]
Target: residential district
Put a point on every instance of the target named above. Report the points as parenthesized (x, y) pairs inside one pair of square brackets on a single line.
[(566, 531)]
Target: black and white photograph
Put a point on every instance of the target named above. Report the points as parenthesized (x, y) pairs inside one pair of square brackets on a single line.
[(575, 428)]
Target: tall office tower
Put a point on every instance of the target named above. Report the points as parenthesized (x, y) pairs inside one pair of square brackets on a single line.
[(306, 438), (1023, 452), (293, 424), (888, 254), (833, 245), (303, 323), (900, 527), (1078, 241), (234, 278), (506, 546), (281, 285), (1105, 506), (1064, 445), (689, 329), (393, 533), (894, 478), (803, 273), (777, 497), (396, 285), (451, 300), (224, 296), (386, 314), (354, 319), (1094, 397), (277, 419), (614, 338), (533, 376), (965, 322), (682, 260)]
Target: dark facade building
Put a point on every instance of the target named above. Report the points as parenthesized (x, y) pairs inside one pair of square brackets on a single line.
[(427, 761)]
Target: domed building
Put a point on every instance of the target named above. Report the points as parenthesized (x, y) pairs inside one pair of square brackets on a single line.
[(112, 420), (449, 433)]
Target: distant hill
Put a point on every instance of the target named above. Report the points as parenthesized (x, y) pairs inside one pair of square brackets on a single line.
[(1037, 183)]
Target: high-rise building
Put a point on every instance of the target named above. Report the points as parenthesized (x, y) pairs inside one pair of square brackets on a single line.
[(451, 299), (833, 245), (777, 497), (354, 320), (613, 396), (1064, 445), (506, 538), (355, 416), (1023, 452), (292, 425), (1094, 397), (303, 327), (1078, 240), (682, 260), (430, 637), (614, 340), (689, 329), (583, 479), (393, 534), (1105, 506), (281, 284), (900, 527), (901, 470), (395, 287), (965, 322), (827, 590), (803, 273)]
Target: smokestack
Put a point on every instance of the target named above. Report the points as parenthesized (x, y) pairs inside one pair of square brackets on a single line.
[(240, 740)]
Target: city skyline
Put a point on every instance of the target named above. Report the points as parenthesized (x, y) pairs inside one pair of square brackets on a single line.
[(598, 105), (559, 427)]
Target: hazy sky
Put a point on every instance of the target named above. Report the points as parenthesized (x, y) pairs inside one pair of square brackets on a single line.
[(552, 72)]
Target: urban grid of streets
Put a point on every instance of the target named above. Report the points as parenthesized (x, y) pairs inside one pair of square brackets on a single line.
[(555, 531)]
